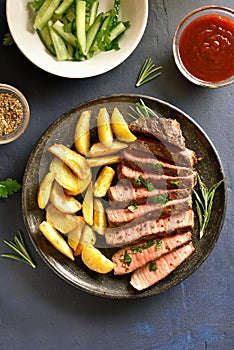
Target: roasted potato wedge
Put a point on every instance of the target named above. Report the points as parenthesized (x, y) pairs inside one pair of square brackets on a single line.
[(76, 162), (103, 181), (107, 160), (99, 149), (120, 127), (56, 239), (99, 216), (105, 134), (82, 133), (67, 179), (61, 221), (82, 185), (44, 191), (95, 260), (87, 206), (63, 202), (73, 237), (87, 237)]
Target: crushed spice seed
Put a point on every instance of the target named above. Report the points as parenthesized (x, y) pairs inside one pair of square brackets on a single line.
[(11, 113)]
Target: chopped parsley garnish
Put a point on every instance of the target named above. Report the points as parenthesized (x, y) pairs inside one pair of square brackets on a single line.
[(153, 266), (174, 183), (127, 258), (140, 180), (158, 165), (139, 249), (160, 199), (132, 207), (158, 245)]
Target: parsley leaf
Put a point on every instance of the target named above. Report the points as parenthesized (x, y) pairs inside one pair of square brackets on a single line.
[(132, 207), (153, 266), (9, 187), (140, 180), (8, 40)]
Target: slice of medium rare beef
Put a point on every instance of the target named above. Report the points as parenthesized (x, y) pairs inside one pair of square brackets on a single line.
[(132, 257), (124, 194), (184, 157), (158, 180), (136, 231), (163, 129), (155, 271), (119, 216), (150, 164)]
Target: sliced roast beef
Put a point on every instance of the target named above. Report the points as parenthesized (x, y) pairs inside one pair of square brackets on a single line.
[(162, 129), (132, 257), (124, 194), (184, 157), (158, 180), (135, 231), (160, 208), (154, 271), (149, 163)]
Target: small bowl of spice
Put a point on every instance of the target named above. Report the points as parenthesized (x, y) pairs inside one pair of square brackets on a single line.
[(14, 113), (203, 46)]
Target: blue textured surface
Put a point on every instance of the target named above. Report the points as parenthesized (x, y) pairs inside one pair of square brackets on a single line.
[(38, 310)]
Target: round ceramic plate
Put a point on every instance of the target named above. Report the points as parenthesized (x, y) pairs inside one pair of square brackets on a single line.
[(75, 272), (20, 21)]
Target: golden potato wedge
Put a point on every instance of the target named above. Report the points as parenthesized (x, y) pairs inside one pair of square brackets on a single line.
[(99, 216), (73, 237), (87, 206), (44, 191), (107, 160), (76, 162), (105, 134), (82, 133), (95, 260), (120, 127), (61, 221), (100, 149), (67, 179), (56, 239), (87, 237), (63, 202), (82, 185), (103, 181)]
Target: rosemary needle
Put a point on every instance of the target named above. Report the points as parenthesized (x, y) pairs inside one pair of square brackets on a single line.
[(147, 72), (204, 203), (142, 111), (19, 247)]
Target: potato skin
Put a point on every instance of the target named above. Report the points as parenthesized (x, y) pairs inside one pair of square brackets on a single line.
[(103, 181), (105, 133), (82, 133)]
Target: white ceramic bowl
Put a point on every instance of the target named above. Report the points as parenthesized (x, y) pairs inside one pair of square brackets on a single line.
[(20, 22)]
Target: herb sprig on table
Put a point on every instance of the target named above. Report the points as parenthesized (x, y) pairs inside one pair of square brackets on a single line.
[(148, 72), (18, 245), (8, 40), (204, 203), (9, 187)]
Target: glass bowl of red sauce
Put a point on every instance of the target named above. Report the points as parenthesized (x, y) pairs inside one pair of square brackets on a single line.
[(203, 46)]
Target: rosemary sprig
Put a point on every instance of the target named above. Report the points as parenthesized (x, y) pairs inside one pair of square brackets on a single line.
[(19, 247), (142, 111), (204, 203), (147, 72)]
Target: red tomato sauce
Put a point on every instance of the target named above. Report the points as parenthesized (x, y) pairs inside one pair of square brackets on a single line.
[(207, 48)]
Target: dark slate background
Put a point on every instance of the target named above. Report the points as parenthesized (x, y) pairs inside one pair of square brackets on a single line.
[(38, 310)]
